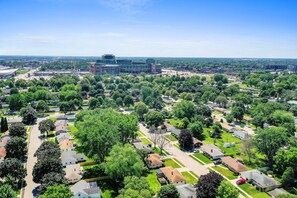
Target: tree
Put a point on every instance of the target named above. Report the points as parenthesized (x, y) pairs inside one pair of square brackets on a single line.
[(288, 178), (45, 166), (4, 125), (30, 116), (258, 121), (128, 101), (283, 119), (168, 191), (247, 149), (94, 103), (14, 169), (16, 147), (16, 102), (222, 101), (119, 101), (196, 129), (7, 192), (237, 112), (185, 139), (57, 191), (208, 185), (42, 106), (154, 118), (269, 140), (64, 107), (17, 129), (227, 190), (141, 109), (46, 126), (48, 149), (284, 159), (123, 161), (51, 179), (229, 118), (138, 186), (184, 109)]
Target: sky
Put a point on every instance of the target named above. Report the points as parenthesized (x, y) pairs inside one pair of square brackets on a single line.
[(150, 28)]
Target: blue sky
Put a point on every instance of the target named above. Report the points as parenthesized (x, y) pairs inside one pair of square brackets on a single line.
[(170, 28)]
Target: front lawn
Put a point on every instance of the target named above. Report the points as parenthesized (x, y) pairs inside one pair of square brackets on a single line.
[(225, 171), (175, 123), (203, 158), (251, 190), (145, 141), (189, 178), (170, 137), (153, 182), (172, 163)]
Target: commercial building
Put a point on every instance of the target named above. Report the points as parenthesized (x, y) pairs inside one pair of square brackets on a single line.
[(7, 73), (108, 64)]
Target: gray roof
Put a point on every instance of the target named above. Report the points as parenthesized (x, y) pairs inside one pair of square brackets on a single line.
[(186, 191), (63, 136), (84, 187), (141, 145), (241, 135), (277, 191), (212, 150), (259, 178), (68, 156)]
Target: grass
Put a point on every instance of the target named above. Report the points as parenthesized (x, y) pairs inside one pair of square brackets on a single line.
[(53, 119), (72, 129), (251, 190), (139, 134), (22, 71), (225, 171), (192, 156), (153, 182), (189, 178), (194, 174), (145, 141), (172, 163), (203, 158), (175, 123), (171, 137)]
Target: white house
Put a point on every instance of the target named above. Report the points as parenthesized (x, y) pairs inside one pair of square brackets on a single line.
[(82, 189)]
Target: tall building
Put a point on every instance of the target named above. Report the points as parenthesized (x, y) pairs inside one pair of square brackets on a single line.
[(108, 64)]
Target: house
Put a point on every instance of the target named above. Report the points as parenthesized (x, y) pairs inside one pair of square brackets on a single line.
[(175, 132), (173, 176), (2, 152), (73, 173), (70, 157), (212, 151), (242, 135), (197, 143), (161, 177), (14, 120), (186, 191), (260, 180), (222, 110), (61, 129), (233, 165), (61, 123), (4, 139), (247, 118), (154, 161), (277, 191), (227, 127), (63, 136), (82, 189), (66, 145), (142, 146)]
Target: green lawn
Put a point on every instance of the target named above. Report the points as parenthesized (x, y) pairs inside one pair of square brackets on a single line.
[(225, 171), (21, 71), (192, 156), (203, 158), (171, 137), (173, 164), (145, 141), (251, 190), (194, 174), (175, 123), (72, 129), (139, 134), (153, 182), (189, 178)]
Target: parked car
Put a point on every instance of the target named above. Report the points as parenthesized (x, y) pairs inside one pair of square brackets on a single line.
[(217, 162), (240, 181)]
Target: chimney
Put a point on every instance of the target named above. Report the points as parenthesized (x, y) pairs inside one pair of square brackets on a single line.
[(171, 172), (211, 150)]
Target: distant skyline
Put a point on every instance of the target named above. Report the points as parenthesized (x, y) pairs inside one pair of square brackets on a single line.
[(149, 28)]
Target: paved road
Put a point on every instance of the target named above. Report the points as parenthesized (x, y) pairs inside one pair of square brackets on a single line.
[(34, 142), (181, 156)]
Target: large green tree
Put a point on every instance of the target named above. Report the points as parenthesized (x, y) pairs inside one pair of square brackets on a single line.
[(154, 118), (135, 187), (29, 116), (45, 126), (48, 149), (227, 190), (123, 161), (208, 185), (46, 166), (196, 129), (16, 102), (141, 109), (184, 109), (16, 147), (14, 169), (269, 140), (168, 191), (57, 191), (17, 129), (7, 192)]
